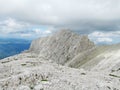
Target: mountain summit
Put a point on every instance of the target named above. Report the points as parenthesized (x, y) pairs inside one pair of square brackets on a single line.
[(62, 46)]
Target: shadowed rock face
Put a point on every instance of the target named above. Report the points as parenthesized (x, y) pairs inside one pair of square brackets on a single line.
[(62, 46)]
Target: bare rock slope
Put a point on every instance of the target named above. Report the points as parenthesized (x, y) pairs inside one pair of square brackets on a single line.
[(95, 68), (62, 46), (27, 71)]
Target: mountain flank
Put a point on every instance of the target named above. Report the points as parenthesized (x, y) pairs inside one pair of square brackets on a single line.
[(61, 47), (62, 61)]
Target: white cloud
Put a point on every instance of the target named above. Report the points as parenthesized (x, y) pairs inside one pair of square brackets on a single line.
[(105, 34), (62, 12), (84, 16), (26, 35), (41, 32), (38, 31), (104, 39), (13, 28), (10, 25), (48, 31), (101, 34)]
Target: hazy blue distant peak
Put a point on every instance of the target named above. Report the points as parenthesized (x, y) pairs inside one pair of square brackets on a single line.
[(13, 40), (12, 46)]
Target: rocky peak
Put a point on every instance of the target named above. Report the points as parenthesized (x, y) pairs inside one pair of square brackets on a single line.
[(62, 46)]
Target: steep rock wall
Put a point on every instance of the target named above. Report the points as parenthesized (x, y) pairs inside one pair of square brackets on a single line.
[(61, 46)]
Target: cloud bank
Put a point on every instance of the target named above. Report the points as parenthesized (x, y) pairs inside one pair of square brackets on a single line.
[(83, 16)]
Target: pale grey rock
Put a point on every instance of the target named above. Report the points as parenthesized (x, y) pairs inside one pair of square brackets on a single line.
[(23, 88), (62, 46), (39, 87), (36, 73), (94, 68)]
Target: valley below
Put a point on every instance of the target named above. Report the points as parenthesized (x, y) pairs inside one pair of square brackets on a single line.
[(10, 47)]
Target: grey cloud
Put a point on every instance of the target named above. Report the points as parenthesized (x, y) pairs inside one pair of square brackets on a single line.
[(82, 16), (63, 11)]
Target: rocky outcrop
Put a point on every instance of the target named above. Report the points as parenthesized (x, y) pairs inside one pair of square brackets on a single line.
[(62, 46)]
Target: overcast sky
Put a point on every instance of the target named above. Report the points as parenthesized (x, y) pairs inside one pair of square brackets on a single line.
[(99, 19)]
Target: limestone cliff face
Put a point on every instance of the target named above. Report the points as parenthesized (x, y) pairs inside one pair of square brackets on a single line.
[(61, 46)]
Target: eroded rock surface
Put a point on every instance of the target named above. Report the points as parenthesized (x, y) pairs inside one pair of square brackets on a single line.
[(29, 72), (62, 46)]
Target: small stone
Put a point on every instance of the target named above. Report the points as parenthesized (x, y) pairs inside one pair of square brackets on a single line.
[(23, 88), (39, 87)]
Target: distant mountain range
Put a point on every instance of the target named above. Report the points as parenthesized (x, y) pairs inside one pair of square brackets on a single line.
[(10, 46)]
